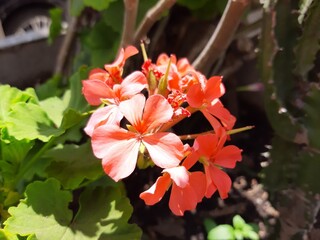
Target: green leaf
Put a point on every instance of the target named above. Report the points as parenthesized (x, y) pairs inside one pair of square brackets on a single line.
[(56, 24), (9, 97), (44, 212), (113, 16), (223, 231), (251, 235), (54, 108), (98, 5), (76, 7), (5, 235), (209, 224), (238, 222), (49, 88), (13, 152), (144, 6), (238, 234), (30, 121), (77, 101), (110, 210), (72, 164), (103, 214), (71, 118)]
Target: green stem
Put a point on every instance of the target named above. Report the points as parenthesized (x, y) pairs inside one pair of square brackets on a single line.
[(144, 52), (34, 159), (233, 131)]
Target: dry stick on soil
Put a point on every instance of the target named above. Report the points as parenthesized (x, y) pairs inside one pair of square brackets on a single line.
[(223, 34), (130, 17), (66, 45), (151, 17)]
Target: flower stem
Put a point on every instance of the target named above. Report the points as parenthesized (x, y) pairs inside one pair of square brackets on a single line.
[(233, 131), (34, 159), (144, 52)]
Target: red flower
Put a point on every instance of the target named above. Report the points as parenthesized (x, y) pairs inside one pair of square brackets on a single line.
[(187, 189), (119, 147), (210, 151), (205, 96)]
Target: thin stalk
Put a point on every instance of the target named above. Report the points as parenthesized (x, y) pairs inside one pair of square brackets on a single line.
[(233, 131), (151, 17), (129, 22), (223, 34)]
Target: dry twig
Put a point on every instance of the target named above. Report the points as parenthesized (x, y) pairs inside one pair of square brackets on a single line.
[(151, 17), (130, 17), (66, 45), (223, 34)]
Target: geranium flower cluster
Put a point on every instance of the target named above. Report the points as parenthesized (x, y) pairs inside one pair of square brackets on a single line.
[(131, 127)]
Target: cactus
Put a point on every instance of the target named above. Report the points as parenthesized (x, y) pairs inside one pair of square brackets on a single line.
[(290, 46)]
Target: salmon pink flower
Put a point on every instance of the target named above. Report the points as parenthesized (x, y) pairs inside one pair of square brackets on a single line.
[(97, 92), (119, 147), (209, 149), (205, 96), (187, 189), (103, 116), (100, 84), (116, 68)]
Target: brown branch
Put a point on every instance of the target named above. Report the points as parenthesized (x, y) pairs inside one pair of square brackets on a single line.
[(66, 45), (223, 34), (130, 17), (151, 17)]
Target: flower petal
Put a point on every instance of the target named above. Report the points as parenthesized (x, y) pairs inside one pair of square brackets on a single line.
[(155, 193), (183, 66), (165, 149), (124, 54), (215, 124), (214, 88), (220, 112), (210, 187), (182, 199), (133, 84), (118, 149), (191, 160), (220, 179), (157, 111), (100, 74), (195, 96), (206, 144), (132, 109), (197, 181), (95, 90), (179, 175), (106, 115), (228, 156)]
